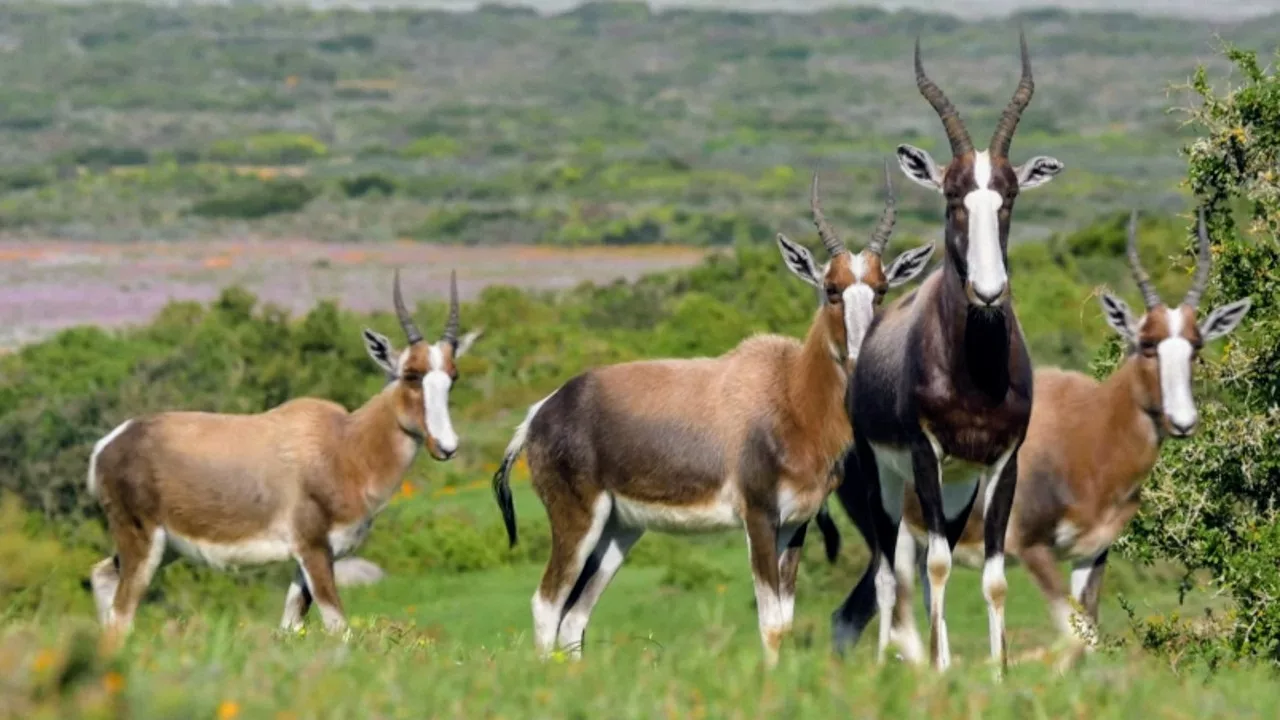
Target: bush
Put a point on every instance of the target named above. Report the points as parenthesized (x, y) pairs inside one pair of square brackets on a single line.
[(269, 149), (257, 200), (1214, 502)]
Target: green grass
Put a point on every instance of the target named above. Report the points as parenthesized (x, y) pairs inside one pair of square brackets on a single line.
[(457, 644)]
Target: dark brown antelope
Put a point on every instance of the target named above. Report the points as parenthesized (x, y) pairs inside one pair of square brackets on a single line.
[(1089, 448), (941, 394), (749, 438), (302, 481)]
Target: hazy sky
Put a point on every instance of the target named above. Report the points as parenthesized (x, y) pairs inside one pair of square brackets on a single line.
[(1214, 9)]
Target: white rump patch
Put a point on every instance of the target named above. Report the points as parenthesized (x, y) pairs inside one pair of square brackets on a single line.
[(986, 265), (98, 447), (1175, 354), (435, 393)]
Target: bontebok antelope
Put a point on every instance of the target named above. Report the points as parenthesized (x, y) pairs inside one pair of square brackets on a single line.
[(1088, 450), (749, 438), (941, 393), (301, 481)]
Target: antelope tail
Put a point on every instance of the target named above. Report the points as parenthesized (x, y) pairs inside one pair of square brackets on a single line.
[(502, 478), (830, 533)]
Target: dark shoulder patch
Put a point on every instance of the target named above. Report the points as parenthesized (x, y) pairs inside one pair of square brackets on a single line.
[(758, 466)]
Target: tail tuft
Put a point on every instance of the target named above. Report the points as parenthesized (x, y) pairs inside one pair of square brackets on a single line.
[(502, 493), (830, 533)]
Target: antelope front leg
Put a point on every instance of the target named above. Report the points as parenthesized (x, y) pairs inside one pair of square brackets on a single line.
[(995, 588), (788, 568), (316, 563), (762, 545), (925, 465)]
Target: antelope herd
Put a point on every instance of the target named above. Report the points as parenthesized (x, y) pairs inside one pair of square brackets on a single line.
[(924, 417)]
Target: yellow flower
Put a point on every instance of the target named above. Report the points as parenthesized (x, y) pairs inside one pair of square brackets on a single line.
[(43, 661), (228, 709), (113, 682)]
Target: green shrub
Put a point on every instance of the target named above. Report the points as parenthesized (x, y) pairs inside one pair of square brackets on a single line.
[(269, 149), (256, 200), (1214, 502)]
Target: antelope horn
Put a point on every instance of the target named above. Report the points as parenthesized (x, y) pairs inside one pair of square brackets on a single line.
[(825, 231), (1021, 97), (411, 330), (1202, 265), (880, 237), (451, 327), (956, 132), (1149, 296)]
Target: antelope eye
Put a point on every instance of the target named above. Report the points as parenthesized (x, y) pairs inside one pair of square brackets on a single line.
[(1148, 348), (833, 295), (412, 378)]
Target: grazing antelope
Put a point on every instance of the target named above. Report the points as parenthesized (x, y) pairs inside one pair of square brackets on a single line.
[(301, 481), (749, 438), (941, 394), (1088, 450)]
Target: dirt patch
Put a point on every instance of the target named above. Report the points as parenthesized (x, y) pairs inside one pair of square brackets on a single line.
[(49, 285)]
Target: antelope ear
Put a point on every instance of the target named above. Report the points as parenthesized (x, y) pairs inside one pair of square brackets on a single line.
[(1119, 317), (467, 341), (1037, 171), (919, 167), (799, 261), (908, 265), (1224, 319), (380, 350)]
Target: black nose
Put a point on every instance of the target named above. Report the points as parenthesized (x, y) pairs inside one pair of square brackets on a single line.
[(446, 454), (1182, 430), (988, 299)]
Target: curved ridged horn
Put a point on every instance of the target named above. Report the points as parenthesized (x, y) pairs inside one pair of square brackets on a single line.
[(1149, 296), (1021, 98), (880, 237), (451, 327), (825, 231), (1202, 265), (411, 330), (956, 132)]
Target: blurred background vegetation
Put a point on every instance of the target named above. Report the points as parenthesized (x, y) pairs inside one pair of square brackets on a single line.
[(609, 123)]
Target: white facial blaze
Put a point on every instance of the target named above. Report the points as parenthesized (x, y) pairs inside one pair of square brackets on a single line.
[(858, 307), (986, 265), (1174, 354), (435, 393)]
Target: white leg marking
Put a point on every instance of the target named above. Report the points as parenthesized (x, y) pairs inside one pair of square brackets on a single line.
[(104, 579), (1081, 625), (769, 613), (146, 571), (786, 595), (98, 447), (995, 588), (293, 604), (906, 636), (886, 595), (939, 562), (548, 613), (574, 625)]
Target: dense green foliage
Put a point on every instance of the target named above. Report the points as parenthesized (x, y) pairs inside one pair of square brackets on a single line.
[(1214, 503), (606, 124)]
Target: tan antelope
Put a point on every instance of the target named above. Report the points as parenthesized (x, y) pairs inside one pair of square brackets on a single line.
[(302, 481), (747, 439), (1089, 448), (941, 395)]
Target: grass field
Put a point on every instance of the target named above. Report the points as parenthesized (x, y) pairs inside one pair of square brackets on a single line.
[(673, 637)]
